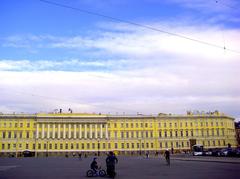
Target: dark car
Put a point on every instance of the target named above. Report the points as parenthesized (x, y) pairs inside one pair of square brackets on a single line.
[(223, 152), (231, 153), (215, 152), (228, 152), (11, 155), (237, 152), (28, 153)]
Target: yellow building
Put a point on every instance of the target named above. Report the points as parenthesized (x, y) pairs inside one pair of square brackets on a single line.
[(56, 134)]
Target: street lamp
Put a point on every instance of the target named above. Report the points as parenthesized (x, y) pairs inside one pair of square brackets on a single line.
[(16, 147), (35, 145), (140, 152), (47, 149), (17, 135), (98, 148)]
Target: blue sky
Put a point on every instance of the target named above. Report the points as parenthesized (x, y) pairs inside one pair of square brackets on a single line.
[(28, 20), (53, 57)]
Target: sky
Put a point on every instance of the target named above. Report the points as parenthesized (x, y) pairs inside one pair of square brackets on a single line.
[(120, 56)]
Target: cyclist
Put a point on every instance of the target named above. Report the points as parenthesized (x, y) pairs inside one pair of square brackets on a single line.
[(167, 156), (94, 165)]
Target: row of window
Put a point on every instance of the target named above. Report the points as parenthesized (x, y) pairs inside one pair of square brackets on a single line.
[(16, 124), (124, 125), (149, 134), (187, 133), (83, 134), (124, 134), (169, 124), (83, 146), (9, 135), (28, 125), (71, 126)]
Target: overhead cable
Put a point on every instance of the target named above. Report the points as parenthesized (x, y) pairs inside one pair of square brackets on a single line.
[(141, 25)]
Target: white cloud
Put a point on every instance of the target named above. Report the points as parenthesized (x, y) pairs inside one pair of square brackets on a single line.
[(140, 42), (207, 6), (66, 65), (147, 42), (144, 90), (159, 73)]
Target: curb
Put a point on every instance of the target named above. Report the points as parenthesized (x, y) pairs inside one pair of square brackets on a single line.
[(214, 161)]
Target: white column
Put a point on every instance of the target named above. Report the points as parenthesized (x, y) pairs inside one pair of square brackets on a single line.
[(58, 131), (64, 131), (48, 131), (37, 131), (69, 131), (90, 131), (43, 131), (85, 131), (53, 131), (80, 131), (74, 131), (96, 134), (101, 132), (106, 131)]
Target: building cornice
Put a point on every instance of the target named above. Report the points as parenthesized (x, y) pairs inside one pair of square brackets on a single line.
[(73, 117)]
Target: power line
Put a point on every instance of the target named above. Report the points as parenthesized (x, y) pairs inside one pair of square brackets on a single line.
[(226, 5), (140, 25)]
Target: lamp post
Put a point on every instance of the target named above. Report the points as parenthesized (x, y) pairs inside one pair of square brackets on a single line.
[(47, 149), (140, 142), (98, 148), (16, 144), (35, 145), (17, 135)]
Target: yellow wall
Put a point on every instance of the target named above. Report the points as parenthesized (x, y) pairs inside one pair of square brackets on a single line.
[(124, 133)]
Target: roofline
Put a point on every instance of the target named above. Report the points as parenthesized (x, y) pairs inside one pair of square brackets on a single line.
[(85, 116)]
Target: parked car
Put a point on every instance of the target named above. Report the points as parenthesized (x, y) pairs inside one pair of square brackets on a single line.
[(11, 155), (207, 152), (237, 152), (28, 153), (228, 152), (216, 152), (223, 152), (212, 152)]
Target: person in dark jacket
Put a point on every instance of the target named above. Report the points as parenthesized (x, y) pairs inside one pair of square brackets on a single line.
[(111, 160), (167, 156), (94, 165)]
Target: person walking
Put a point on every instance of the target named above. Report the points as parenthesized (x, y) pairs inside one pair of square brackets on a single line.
[(167, 157), (147, 155), (80, 156)]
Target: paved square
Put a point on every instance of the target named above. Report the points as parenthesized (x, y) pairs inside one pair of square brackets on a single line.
[(127, 168)]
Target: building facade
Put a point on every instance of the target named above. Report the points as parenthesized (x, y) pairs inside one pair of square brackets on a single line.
[(56, 134), (237, 128)]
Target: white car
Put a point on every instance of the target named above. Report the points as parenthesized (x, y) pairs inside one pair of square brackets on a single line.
[(197, 153)]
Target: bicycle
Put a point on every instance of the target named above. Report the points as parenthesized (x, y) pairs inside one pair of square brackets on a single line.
[(100, 172)]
